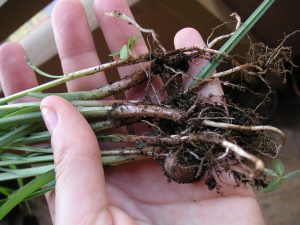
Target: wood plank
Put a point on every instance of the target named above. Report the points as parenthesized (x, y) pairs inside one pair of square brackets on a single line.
[(17, 13)]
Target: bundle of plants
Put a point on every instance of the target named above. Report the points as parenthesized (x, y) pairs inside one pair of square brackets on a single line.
[(192, 137)]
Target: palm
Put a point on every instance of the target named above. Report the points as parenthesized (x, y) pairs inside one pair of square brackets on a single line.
[(146, 195), (141, 190)]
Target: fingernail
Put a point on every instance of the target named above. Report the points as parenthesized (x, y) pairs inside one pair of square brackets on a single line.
[(50, 118)]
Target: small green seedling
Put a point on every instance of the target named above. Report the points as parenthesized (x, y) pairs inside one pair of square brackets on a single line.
[(126, 50), (279, 175)]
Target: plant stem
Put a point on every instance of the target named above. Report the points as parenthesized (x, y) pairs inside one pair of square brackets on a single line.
[(102, 92), (72, 76)]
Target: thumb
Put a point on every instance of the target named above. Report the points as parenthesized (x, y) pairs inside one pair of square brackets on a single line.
[(80, 194)]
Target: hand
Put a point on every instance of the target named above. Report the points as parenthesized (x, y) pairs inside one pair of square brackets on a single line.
[(136, 193)]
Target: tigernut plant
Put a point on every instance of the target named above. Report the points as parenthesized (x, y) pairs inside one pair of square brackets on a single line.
[(192, 137)]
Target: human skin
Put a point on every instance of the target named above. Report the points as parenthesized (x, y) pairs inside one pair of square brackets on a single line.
[(137, 193)]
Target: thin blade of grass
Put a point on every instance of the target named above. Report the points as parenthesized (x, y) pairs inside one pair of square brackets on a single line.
[(233, 41), (31, 139), (26, 160), (5, 112), (23, 111), (5, 191), (27, 149), (18, 106), (48, 187), (21, 131), (41, 192), (10, 174), (25, 191), (13, 121)]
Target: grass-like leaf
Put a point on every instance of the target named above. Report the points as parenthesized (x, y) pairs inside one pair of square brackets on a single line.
[(31, 139), (17, 133), (13, 174), (6, 191), (23, 111), (26, 160), (25, 191), (15, 120), (29, 149), (234, 40)]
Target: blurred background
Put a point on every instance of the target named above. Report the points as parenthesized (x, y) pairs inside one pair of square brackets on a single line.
[(29, 23)]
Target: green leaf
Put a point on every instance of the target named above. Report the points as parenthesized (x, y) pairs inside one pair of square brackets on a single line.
[(21, 131), (40, 192), (34, 138), (234, 40), (279, 167), (6, 112), (26, 160), (25, 191), (23, 111), (124, 52), (11, 174), (6, 191), (273, 185), (25, 148), (292, 174), (132, 40), (12, 121)]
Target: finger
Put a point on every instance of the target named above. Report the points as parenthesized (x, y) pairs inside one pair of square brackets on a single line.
[(80, 185), (75, 44), (50, 198), (117, 33), (188, 37), (15, 74)]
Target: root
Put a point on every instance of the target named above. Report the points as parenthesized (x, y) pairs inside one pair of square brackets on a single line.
[(220, 38)]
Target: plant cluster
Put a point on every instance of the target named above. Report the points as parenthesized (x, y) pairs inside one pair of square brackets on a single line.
[(191, 136)]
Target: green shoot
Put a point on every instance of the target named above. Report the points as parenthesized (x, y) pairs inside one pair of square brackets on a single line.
[(40, 72), (126, 50), (279, 175)]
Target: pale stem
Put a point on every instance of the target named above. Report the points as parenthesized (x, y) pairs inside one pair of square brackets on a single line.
[(235, 69), (259, 165), (248, 128), (102, 92), (62, 80), (103, 112)]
